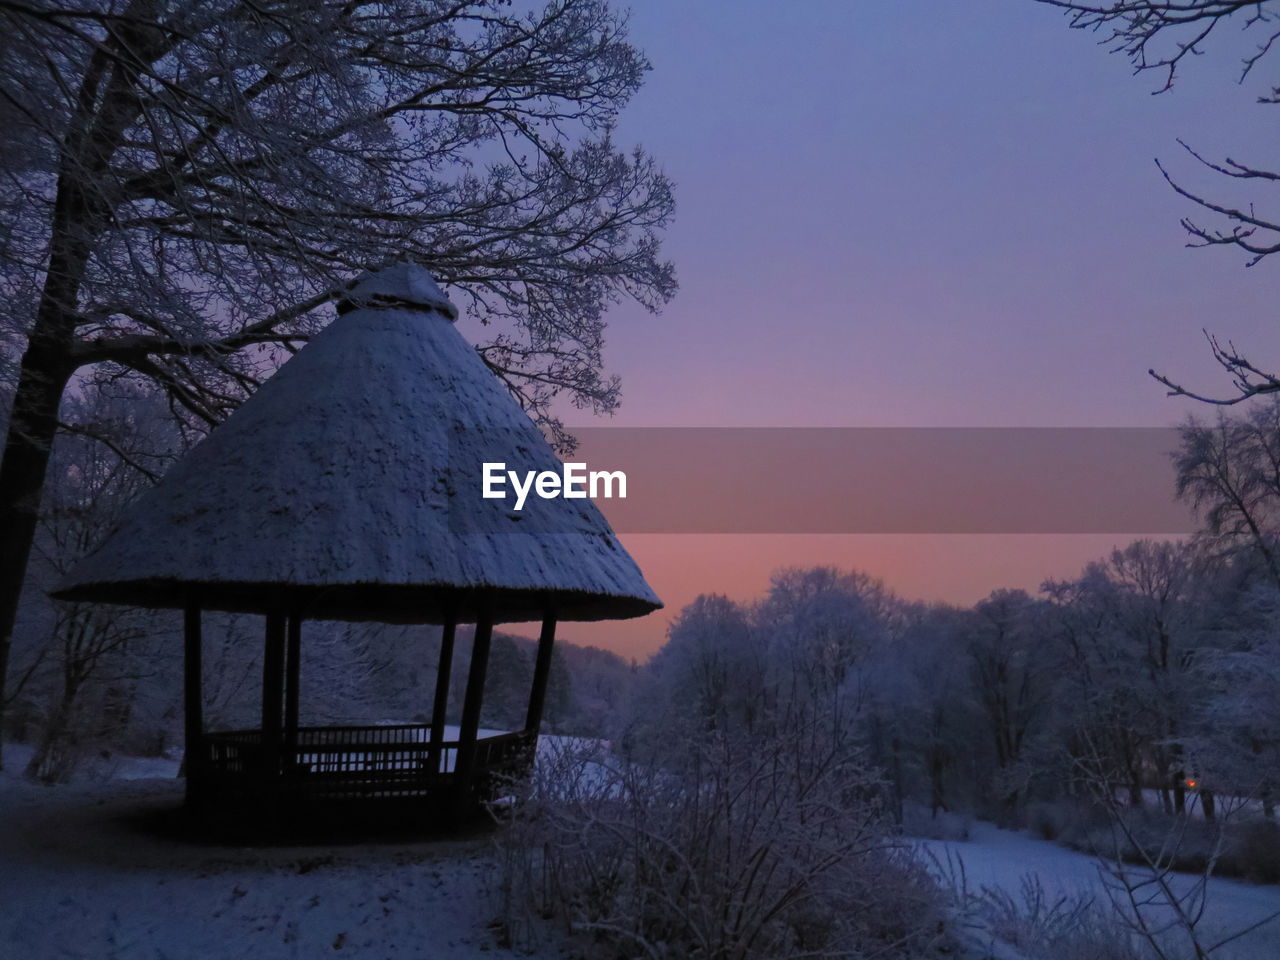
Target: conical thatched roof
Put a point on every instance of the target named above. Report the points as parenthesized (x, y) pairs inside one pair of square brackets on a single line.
[(348, 487)]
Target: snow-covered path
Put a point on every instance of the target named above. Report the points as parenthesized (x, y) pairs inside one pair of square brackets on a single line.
[(79, 879), (999, 859)]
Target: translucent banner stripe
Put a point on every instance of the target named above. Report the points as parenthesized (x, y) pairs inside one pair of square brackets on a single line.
[(857, 480)]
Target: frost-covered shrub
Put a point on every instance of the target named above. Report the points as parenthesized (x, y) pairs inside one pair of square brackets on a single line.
[(1227, 847), (1068, 820), (1038, 925), (1032, 915), (751, 849)]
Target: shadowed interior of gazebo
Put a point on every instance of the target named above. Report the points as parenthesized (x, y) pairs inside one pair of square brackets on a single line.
[(296, 770)]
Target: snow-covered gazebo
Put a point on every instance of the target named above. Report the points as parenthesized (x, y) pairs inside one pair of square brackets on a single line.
[(347, 487)]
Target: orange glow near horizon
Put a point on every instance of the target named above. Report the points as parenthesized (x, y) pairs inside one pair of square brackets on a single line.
[(954, 568)]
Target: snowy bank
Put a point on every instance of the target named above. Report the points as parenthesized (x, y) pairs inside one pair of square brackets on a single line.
[(83, 876), (1000, 859)]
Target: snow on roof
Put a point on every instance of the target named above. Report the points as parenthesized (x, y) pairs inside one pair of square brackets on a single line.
[(347, 487), (399, 284)]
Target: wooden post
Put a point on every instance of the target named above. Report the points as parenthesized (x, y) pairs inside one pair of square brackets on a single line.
[(192, 700), (440, 706), (272, 695), (293, 670), (541, 673), (465, 768)]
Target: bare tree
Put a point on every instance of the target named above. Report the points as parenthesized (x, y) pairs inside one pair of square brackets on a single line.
[(821, 624), (87, 642), (1157, 622), (713, 665), (92, 480), (1230, 474), (186, 183), (1010, 687), (1160, 36), (1142, 878)]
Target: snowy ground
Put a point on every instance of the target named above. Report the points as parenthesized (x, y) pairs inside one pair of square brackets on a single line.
[(80, 878), (999, 859)]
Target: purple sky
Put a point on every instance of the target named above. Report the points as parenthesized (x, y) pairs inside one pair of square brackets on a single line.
[(919, 213)]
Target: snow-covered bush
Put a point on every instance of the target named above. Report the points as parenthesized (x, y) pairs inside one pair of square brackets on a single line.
[(746, 848), (1031, 923), (1070, 820), (1063, 927)]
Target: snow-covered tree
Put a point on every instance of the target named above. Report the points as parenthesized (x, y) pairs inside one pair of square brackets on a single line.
[(187, 183), (707, 681), (1010, 685), (1233, 733), (89, 652), (1229, 472), (820, 625)]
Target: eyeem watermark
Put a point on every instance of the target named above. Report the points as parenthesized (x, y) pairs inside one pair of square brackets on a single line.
[(822, 480), (573, 484)]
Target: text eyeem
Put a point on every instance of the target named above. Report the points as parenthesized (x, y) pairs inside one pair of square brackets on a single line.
[(573, 484)]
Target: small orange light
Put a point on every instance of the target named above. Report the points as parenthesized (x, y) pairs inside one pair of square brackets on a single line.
[(1191, 783)]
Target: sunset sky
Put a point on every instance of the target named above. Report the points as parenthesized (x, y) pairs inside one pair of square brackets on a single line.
[(919, 213)]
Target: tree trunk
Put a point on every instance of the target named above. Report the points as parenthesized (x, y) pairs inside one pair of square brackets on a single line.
[(1135, 794), (895, 746), (93, 133), (33, 424), (52, 740), (937, 764)]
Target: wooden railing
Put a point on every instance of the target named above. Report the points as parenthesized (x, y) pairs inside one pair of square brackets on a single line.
[(357, 761)]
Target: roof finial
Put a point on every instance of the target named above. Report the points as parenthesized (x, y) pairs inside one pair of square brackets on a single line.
[(399, 284)]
